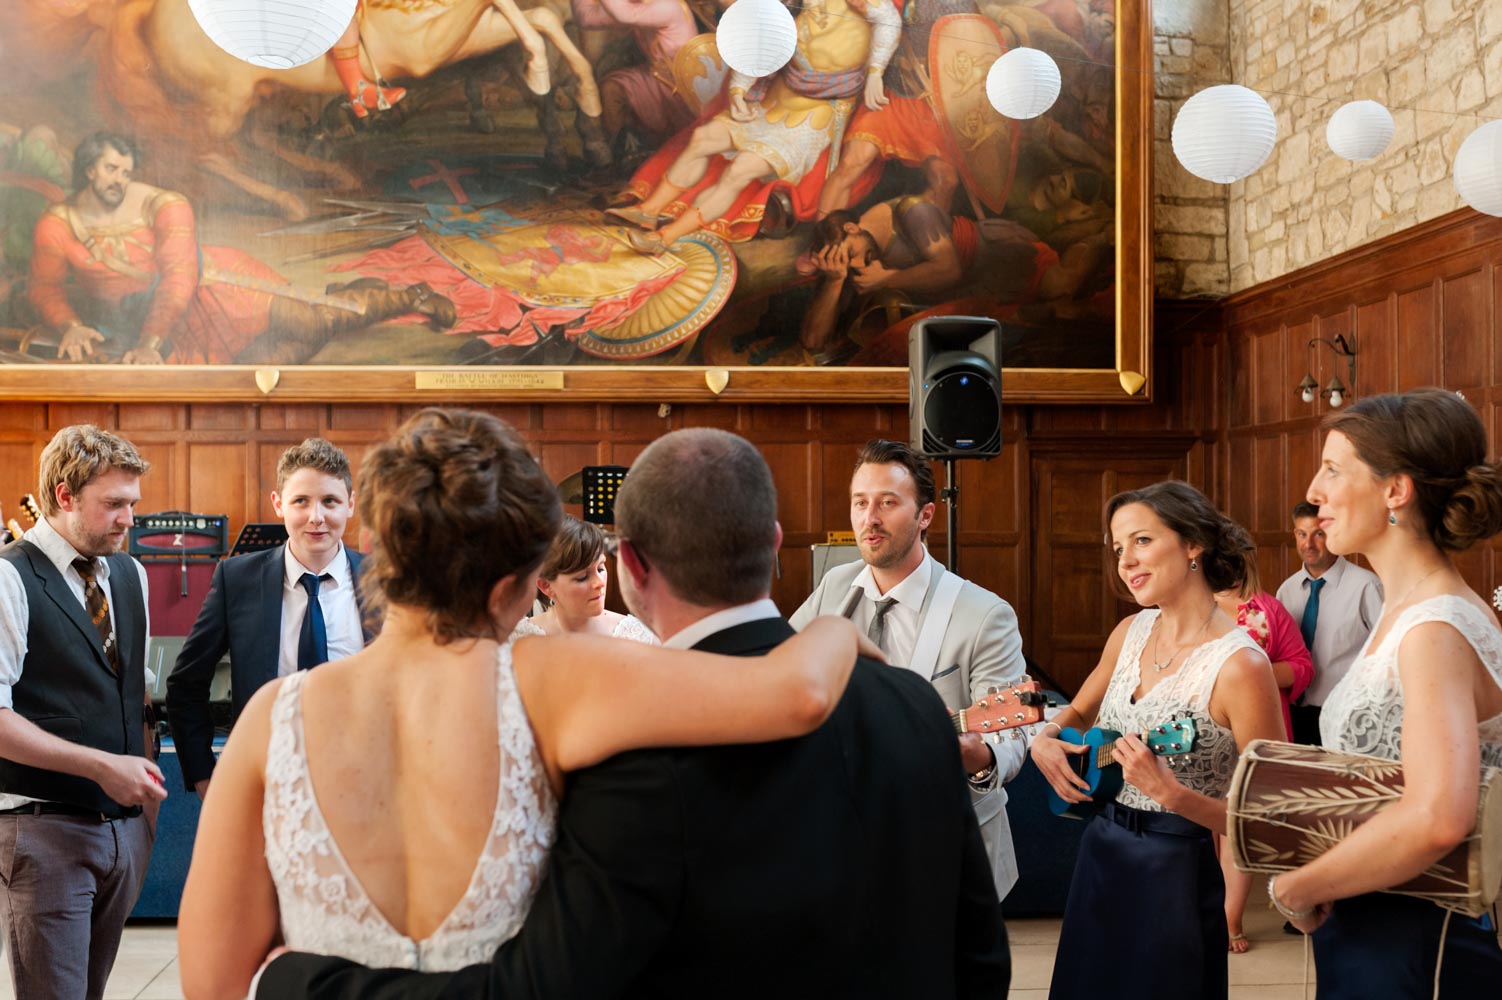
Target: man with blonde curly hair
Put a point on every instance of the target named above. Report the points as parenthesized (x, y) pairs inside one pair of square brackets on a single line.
[(74, 765)]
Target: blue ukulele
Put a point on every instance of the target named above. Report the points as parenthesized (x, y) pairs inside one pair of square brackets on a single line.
[(1102, 773)]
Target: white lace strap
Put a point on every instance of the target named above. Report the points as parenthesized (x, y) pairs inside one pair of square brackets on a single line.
[(284, 742), (1474, 626)]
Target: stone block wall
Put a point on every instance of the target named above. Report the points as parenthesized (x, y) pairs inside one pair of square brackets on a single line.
[(1435, 64), (1191, 50)]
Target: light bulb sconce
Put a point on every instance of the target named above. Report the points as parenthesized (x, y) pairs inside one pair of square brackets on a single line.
[(1336, 391)]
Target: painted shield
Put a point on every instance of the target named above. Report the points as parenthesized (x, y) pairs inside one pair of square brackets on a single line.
[(699, 74), (705, 276), (961, 49)]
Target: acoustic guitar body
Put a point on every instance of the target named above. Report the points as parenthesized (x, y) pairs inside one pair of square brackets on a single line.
[(1104, 783)]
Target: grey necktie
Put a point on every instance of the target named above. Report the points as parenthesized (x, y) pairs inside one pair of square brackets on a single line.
[(877, 630)]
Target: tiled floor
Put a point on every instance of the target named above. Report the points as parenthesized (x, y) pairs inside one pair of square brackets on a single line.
[(1272, 970)]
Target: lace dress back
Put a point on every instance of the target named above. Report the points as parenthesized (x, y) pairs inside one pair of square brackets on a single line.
[(1364, 712), (324, 908), (1186, 692)]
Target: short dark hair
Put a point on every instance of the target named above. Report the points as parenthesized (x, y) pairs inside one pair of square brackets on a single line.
[(455, 504), (1304, 509), (317, 454), (1435, 438), (883, 452), (700, 507), (92, 148), (1188, 513), (576, 546)]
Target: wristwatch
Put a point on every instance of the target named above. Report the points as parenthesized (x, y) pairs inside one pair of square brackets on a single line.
[(984, 774)]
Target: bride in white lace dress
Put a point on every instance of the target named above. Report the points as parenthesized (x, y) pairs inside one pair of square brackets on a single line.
[(397, 807), (573, 581), (1405, 481)]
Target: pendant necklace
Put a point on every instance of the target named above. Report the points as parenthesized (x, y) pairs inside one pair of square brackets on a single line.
[(1161, 665)]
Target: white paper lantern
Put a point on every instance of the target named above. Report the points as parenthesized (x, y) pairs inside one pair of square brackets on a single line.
[(1359, 130), (1224, 133), (756, 37), (1478, 169), (1023, 83), (275, 34)]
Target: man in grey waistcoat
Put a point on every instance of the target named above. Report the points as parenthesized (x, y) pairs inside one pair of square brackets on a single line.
[(74, 765), (959, 636)]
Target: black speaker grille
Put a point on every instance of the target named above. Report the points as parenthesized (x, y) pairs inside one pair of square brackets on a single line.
[(961, 415)]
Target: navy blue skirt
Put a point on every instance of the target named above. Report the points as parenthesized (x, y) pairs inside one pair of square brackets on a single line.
[(1381, 945), (1146, 912)]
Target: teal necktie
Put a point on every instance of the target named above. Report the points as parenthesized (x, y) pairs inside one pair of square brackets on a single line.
[(1311, 613)]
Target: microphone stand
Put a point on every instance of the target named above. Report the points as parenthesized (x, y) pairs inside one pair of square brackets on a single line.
[(950, 494)]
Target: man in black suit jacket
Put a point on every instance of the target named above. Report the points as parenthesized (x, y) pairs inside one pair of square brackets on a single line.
[(258, 605), (844, 863)]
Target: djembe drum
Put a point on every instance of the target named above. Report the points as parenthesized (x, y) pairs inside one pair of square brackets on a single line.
[(1290, 803)]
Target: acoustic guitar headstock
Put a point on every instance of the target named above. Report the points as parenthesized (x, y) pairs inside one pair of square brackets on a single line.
[(29, 506), (1172, 738), (1005, 708)]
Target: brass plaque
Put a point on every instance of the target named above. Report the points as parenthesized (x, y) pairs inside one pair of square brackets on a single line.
[(461, 381)]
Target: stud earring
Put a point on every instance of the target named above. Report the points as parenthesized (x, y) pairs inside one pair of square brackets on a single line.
[(1193, 565), (1392, 517)]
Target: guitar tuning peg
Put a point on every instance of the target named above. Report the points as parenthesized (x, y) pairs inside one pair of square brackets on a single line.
[(983, 703), (986, 725), (991, 690)]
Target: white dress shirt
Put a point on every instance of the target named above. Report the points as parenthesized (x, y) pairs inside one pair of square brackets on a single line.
[(904, 618), (341, 612), (1350, 603), (688, 638), (15, 614)]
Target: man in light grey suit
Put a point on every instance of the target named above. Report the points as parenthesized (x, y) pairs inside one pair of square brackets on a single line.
[(962, 637)]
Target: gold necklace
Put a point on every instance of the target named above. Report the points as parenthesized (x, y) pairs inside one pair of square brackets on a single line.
[(1400, 601), (1160, 666)]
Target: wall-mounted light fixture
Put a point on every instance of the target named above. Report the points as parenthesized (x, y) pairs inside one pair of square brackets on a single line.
[(1336, 390)]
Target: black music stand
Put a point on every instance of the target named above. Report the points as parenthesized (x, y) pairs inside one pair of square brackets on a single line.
[(601, 482), (259, 536)]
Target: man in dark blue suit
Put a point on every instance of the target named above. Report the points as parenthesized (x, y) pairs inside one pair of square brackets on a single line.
[(278, 611)]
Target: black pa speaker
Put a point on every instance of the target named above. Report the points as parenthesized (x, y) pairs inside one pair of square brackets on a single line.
[(954, 387)]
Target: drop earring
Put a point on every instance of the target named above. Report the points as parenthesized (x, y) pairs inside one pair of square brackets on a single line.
[(1392, 517), (1193, 565)]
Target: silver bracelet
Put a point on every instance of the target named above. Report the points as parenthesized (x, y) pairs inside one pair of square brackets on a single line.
[(1044, 730), (1278, 904)]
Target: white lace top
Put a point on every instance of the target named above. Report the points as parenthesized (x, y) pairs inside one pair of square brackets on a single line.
[(1364, 713), (325, 910), (1185, 692), (629, 627)]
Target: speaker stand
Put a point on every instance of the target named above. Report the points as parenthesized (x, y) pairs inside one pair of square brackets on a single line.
[(950, 494)]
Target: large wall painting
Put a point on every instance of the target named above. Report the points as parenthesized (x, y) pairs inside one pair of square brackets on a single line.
[(576, 185)]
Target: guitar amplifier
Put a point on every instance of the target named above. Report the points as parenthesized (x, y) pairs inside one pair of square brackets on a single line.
[(600, 485), (179, 551), (179, 534)]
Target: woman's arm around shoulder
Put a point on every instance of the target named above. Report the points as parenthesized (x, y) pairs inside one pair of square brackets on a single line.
[(590, 697), (228, 920)]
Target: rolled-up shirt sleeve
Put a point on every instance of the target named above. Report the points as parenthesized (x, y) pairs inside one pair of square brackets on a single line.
[(14, 615)]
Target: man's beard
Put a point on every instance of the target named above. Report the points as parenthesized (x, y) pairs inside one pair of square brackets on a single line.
[(103, 544), (110, 196), (891, 552)]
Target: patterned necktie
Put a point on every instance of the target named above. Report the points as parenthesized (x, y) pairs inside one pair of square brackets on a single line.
[(1311, 613), (98, 607), (877, 630), (313, 642)]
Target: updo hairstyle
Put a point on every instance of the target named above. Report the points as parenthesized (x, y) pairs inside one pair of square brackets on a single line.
[(455, 503), (577, 546), (1434, 437), (1228, 549)]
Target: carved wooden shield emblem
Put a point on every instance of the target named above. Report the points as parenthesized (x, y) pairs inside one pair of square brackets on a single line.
[(961, 49)]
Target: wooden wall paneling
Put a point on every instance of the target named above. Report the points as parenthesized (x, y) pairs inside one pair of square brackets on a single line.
[(376, 419), (1465, 316), (726, 418), (1240, 502), (1376, 346), (1494, 324), (1241, 381), (60, 415), (220, 417), (1299, 359), (1266, 481), (161, 484), (18, 476), (1267, 367), (307, 418), (1418, 350), (152, 417), (218, 481)]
